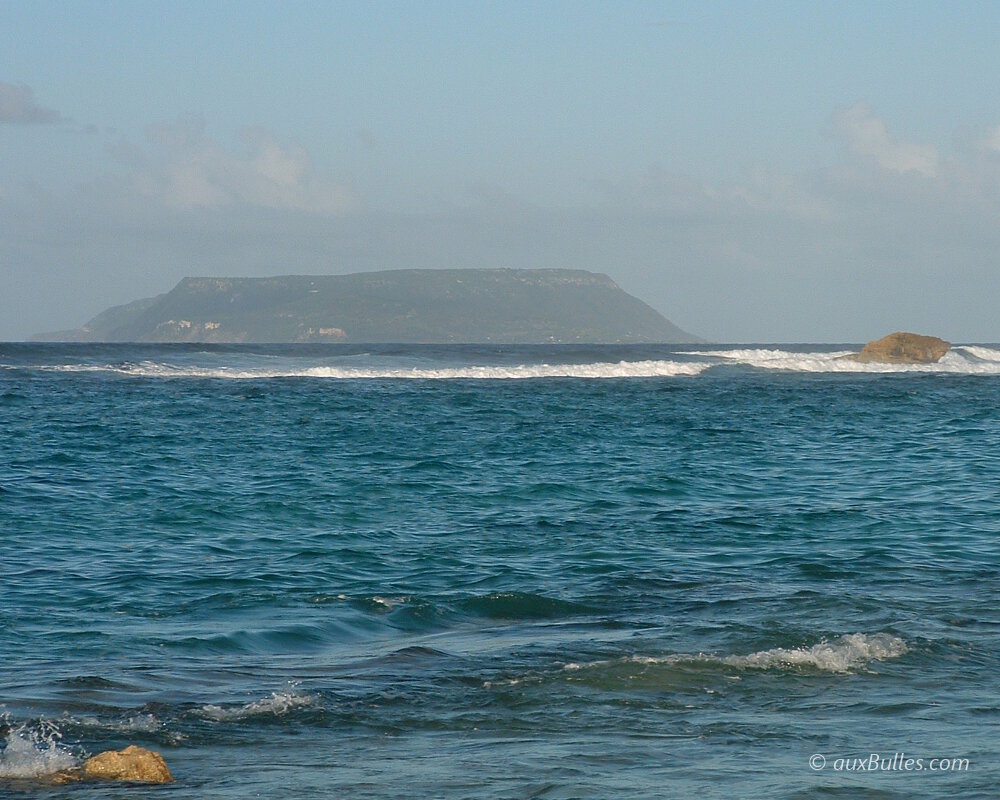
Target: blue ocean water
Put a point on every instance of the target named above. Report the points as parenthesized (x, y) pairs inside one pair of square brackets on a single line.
[(532, 572)]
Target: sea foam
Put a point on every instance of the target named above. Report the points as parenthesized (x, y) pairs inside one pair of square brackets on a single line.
[(961, 360), (854, 651), (278, 704), (850, 652), (620, 369), (985, 354)]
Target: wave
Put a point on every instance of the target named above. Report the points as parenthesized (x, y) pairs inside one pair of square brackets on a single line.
[(853, 651), (844, 654), (961, 360), (521, 606), (986, 354), (848, 654), (143, 725), (277, 705), (620, 369), (510, 606), (135, 723)]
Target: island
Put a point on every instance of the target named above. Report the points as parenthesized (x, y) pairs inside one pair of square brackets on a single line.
[(502, 306)]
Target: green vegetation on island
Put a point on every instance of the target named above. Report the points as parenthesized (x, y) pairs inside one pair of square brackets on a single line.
[(406, 306)]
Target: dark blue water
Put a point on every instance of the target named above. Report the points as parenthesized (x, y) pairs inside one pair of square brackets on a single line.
[(508, 573)]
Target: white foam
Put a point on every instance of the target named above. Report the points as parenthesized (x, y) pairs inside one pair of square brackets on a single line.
[(981, 353), (146, 723), (34, 753), (853, 651), (621, 369), (389, 603), (142, 723), (844, 654), (962, 360), (278, 704), (139, 723)]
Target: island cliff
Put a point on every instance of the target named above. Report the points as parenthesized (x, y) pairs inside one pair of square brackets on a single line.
[(406, 306)]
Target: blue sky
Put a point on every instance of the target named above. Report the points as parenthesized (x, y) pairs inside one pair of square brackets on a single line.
[(756, 171)]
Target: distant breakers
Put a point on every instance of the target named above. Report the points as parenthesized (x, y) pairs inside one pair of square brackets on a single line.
[(902, 348)]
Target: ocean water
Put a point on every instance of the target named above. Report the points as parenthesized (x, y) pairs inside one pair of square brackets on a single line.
[(484, 572)]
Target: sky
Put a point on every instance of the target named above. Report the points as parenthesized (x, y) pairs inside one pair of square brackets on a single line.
[(755, 171)]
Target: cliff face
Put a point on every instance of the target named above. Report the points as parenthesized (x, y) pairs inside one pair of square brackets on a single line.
[(409, 306)]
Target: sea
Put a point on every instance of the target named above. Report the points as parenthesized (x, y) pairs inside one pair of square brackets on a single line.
[(333, 571)]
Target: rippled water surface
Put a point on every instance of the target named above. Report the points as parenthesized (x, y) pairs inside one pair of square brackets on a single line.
[(479, 572)]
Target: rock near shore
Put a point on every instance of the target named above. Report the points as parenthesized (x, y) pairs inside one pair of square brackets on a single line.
[(903, 348), (133, 764)]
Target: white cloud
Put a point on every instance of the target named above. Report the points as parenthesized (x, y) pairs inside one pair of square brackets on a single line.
[(844, 252), (867, 135), (188, 170)]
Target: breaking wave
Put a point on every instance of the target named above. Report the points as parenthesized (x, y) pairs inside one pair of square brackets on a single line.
[(961, 360), (621, 369), (137, 723), (844, 654), (850, 652), (983, 354), (277, 705), (34, 752)]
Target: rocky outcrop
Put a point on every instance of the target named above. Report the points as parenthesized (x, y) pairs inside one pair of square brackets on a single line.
[(131, 764), (135, 764), (903, 348)]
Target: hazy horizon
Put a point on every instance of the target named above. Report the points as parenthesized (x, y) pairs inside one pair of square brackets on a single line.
[(695, 335), (756, 172)]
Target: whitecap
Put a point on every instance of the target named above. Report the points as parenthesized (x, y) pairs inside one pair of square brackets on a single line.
[(278, 704), (621, 369), (960, 360), (854, 651), (986, 354), (849, 652), (140, 723)]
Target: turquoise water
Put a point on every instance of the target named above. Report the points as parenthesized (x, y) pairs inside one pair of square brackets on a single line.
[(538, 572)]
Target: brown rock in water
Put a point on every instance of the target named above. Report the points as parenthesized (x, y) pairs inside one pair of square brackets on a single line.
[(903, 348), (131, 764)]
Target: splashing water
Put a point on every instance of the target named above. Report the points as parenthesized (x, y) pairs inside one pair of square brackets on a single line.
[(278, 704), (32, 752), (853, 651)]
